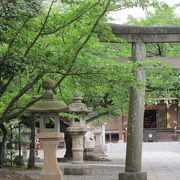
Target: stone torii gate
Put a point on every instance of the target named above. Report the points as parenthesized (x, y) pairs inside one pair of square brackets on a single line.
[(139, 36)]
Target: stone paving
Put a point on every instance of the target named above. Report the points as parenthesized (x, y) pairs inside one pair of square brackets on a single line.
[(162, 165), (161, 161)]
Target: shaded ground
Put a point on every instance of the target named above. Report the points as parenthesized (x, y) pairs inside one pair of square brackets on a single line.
[(11, 175), (161, 161)]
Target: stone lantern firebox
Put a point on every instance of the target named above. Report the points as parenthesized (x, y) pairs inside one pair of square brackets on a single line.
[(48, 110), (77, 131)]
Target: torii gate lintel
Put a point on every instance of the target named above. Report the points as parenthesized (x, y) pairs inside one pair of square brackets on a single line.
[(147, 34)]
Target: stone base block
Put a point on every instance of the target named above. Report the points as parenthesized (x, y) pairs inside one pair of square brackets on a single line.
[(77, 170), (51, 177), (88, 152), (133, 176), (77, 162), (99, 152)]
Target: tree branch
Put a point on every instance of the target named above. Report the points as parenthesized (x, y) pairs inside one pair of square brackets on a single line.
[(70, 22), (150, 89), (94, 26), (15, 36), (20, 94), (16, 114), (42, 28), (82, 45), (97, 116), (3, 87), (30, 84)]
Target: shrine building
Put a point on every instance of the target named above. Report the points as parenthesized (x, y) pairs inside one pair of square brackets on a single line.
[(161, 123)]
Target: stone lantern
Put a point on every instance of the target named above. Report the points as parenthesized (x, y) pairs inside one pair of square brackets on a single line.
[(77, 131), (48, 110), (25, 133)]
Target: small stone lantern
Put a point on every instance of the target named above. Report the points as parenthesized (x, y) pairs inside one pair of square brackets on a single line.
[(25, 133), (48, 110), (77, 131)]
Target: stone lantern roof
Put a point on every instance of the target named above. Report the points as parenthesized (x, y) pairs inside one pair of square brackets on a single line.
[(77, 106), (48, 104)]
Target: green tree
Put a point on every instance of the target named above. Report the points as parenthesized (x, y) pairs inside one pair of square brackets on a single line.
[(163, 83), (52, 39), (46, 41)]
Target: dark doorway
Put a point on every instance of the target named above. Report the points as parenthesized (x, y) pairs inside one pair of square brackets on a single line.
[(107, 137), (114, 137), (150, 119)]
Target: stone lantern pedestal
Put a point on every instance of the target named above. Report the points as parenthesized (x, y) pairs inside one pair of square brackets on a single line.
[(78, 167), (99, 149), (50, 169), (89, 144), (98, 143), (77, 134)]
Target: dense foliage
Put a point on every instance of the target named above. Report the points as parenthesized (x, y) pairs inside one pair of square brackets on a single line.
[(164, 82), (51, 38)]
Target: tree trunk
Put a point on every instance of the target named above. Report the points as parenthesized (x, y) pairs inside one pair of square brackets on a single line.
[(68, 140), (31, 160), (3, 145)]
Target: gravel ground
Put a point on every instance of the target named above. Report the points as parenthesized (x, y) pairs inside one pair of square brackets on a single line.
[(161, 161), (11, 175), (100, 171)]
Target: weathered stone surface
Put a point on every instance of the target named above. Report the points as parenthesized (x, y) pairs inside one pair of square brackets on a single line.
[(98, 139), (80, 109), (53, 135), (25, 133), (77, 106), (77, 170), (99, 152), (49, 135), (89, 140), (130, 29), (77, 131), (77, 128), (50, 168), (147, 33), (48, 104), (136, 114), (88, 152), (53, 177), (133, 176), (77, 134)]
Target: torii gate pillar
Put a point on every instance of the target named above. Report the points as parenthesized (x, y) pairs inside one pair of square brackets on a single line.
[(135, 121)]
